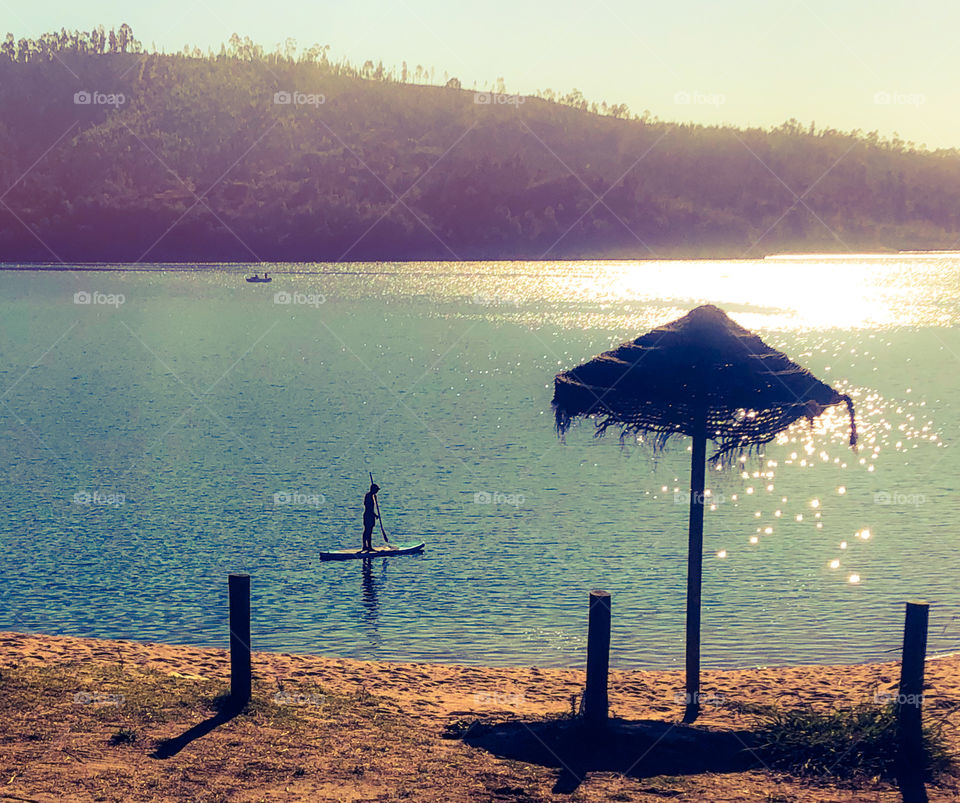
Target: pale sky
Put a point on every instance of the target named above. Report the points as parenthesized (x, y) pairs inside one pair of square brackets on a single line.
[(888, 65)]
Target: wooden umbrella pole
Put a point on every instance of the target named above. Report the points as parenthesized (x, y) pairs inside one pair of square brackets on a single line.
[(695, 567)]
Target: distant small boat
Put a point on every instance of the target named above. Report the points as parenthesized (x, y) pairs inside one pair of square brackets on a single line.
[(259, 279)]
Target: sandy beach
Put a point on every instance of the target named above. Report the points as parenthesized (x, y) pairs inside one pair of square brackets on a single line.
[(88, 719)]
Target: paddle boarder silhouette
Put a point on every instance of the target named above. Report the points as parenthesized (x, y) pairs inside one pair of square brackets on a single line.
[(369, 517)]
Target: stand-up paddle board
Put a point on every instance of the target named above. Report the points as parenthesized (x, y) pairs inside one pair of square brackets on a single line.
[(379, 552)]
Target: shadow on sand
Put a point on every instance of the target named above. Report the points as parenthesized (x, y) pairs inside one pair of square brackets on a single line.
[(641, 749), (170, 747)]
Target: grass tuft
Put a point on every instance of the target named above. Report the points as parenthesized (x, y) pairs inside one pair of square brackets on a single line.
[(124, 736), (850, 743)]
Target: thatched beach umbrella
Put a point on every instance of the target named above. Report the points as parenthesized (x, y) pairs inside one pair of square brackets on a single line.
[(704, 376)]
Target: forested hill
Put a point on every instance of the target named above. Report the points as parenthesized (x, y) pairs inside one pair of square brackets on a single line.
[(109, 153)]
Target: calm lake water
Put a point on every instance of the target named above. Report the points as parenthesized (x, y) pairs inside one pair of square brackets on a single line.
[(185, 424)]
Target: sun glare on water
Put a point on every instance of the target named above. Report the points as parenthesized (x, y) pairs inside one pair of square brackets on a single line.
[(777, 293), (831, 314), (888, 428)]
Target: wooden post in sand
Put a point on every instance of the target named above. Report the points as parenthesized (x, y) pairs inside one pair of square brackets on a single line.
[(595, 703), (911, 758), (239, 586)]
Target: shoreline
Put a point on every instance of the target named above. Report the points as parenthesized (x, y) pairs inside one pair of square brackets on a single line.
[(120, 720), (578, 666), (639, 690), (197, 265)]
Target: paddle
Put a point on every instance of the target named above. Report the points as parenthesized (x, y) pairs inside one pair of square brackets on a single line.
[(376, 502)]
